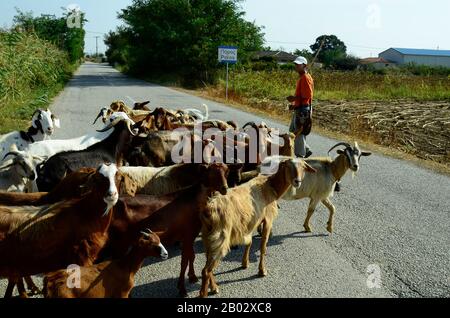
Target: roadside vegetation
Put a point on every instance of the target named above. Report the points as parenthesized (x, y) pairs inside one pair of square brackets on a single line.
[(406, 112), (179, 39), (37, 57), (405, 108)]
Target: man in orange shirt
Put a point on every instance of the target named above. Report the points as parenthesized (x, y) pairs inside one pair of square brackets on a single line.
[(301, 120)]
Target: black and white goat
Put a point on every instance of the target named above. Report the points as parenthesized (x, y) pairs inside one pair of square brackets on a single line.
[(42, 127), (17, 170), (111, 150)]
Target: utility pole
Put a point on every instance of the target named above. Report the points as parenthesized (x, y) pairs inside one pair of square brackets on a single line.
[(96, 46)]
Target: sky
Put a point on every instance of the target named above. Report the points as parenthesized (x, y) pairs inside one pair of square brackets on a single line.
[(367, 27)]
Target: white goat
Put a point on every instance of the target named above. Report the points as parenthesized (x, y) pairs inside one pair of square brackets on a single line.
[(42, 127), (48, 148), (319, 186), (231, 219), (197, 114), (16, 173)]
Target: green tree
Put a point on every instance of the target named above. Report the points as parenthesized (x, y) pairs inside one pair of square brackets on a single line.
[(55, 30), (181, 36), (332, 49), (346, 63), (305, 53)]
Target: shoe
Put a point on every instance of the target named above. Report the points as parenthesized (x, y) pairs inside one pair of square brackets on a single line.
[(337, 187)]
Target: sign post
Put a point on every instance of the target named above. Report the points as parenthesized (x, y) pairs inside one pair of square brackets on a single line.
[(228, 55)]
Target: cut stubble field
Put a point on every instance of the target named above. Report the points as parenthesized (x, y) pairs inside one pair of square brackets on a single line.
[(404, 116)]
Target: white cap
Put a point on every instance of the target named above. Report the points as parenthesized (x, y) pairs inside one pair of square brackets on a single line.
[(301, 60)]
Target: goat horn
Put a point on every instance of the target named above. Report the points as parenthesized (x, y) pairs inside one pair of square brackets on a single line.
[(100, 114), (110, 125), (7, 166), (36, 111), (251, 124), (129, 128), (347, 145), (39, 158), (146, 232), (11, 153)]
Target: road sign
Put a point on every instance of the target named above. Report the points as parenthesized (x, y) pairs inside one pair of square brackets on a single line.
[(228, 54)]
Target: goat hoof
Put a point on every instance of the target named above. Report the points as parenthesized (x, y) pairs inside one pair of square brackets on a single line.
[(262, 273), (215, 291), (244, 266), (35, 292), (193, 279), (307, 230), (330, 229), (183, 294)]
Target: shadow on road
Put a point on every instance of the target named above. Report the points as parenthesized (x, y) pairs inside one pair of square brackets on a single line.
[(106, 80), (168, 287)]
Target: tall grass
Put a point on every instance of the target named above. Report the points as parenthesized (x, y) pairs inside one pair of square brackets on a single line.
[(339, 85), (31, 72)]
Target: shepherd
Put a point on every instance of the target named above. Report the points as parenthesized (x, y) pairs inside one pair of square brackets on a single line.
[(301, 105)]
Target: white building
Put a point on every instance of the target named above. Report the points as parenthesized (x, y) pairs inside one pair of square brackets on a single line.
[(417, 56)]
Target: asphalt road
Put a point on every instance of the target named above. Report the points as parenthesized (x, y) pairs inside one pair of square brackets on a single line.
[(393, 215)]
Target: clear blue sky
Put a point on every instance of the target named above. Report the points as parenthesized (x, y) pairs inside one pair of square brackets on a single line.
[(366, 26)]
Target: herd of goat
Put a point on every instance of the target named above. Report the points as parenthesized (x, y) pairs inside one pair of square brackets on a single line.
[(107, 200)]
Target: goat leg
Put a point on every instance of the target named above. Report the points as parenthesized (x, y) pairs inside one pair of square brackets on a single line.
[(32, 288), (10, 289), (192, 277), (208, 279), (330, 208), (267, 227), (184, 264), (212, 279), (205, 283), (246, 257), (311, 208), (21, 288)]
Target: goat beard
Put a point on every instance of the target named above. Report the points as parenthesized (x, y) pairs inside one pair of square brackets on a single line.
[(109, 206)]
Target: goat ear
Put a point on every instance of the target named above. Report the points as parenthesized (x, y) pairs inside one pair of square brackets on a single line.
[(365, 153), (309, 169), (56, 122), (13, 148)]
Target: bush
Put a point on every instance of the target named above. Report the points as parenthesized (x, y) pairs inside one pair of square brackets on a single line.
[(27, 63), (425, 70), (347, 63)]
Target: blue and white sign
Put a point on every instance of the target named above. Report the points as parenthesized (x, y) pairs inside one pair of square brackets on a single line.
[(228, 54)]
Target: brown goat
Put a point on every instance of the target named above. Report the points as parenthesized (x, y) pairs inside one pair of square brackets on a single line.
[(68, 188), (175, 217), (46, 238), (109, 279), (231, 219)]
